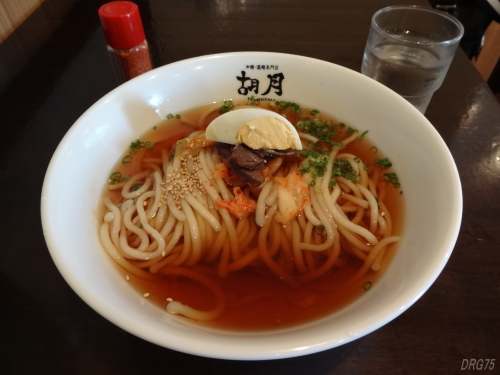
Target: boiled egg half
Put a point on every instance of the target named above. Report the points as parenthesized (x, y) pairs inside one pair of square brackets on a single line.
[(255, 127)]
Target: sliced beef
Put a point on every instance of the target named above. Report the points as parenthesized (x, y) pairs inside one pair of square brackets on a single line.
[(234, 181), (254, 178), (240, 156), (243, 163), (246, 163), (273, 154), (244, 157), (224, 149)]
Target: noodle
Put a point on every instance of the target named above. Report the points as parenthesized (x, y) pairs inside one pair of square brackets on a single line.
[(179, 215), (178, 308)]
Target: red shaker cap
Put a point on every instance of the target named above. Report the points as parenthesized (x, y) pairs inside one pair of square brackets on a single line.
[(122, 24)]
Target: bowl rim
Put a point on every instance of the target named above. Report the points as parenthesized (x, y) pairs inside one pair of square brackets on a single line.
[(214, 351)]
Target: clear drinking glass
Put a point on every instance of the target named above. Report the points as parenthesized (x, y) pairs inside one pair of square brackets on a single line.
[(410, 49)]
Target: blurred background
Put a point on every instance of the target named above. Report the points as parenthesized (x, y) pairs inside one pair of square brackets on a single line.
[(481, 41)]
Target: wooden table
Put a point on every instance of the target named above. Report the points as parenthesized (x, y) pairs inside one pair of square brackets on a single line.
[(55, 66)]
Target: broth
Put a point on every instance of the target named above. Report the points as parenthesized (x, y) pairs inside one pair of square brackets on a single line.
[(256, 299)]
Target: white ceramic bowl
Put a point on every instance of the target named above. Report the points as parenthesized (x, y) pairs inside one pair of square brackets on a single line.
[(85, 157)]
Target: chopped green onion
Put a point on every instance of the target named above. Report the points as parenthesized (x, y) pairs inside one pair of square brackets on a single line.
[(155, 127), (324, 158), (312, 183), (386, 163), (367, 285), (367, 166), (357, 160), (177, 117), (170, 116), (228, 104), (351, 176), (119, 205), (325, 131), (363, 134), (320, 230), (136, 187), (127, 159), (253, 101), (294, 107), (332, 183), (342, 125), (342, 168), (351, 130), (393, 179), (134, 148), (314, 112), (374, 149), (115, 178), (283, 115)]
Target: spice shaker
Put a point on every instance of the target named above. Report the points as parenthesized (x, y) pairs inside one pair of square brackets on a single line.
[(127, 44)]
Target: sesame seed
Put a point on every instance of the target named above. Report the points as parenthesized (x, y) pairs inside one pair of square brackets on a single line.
[(180, 181), (127, 277), (163, 253), (169, 299), (145, 295)]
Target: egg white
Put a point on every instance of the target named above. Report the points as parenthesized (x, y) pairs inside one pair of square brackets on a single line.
[(225, 127)]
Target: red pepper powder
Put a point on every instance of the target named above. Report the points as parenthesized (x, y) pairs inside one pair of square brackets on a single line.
[(134, 61), (127, 44)]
